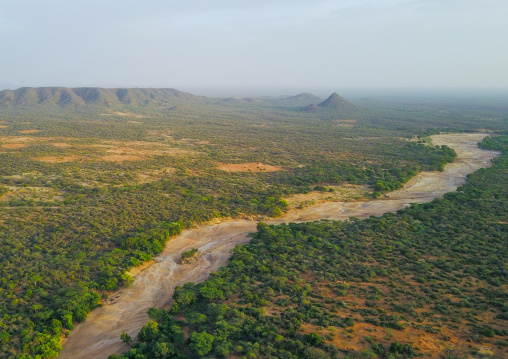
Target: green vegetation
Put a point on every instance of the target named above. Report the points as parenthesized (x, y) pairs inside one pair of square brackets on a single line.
[(95, 181), (189, 256), (190, 253), (370, 288)]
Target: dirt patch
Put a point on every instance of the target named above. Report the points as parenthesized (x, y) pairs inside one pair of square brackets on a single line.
[(247, 167), (3, 126), (133, 151), (140, 148), (192, 142), (353, 339), (58, 159), (22, 139), (121, 158), (30, 131), (124, 114), (345, 123), (13, 146), (345, 193), (17, 139), (36, 193), (134, 272), (134, 122), (155, 175), (61, 144), (14, 142), (160, 133), (149, 152)]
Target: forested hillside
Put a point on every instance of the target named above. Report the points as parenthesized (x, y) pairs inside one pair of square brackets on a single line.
[(63, 97), (427, 281)]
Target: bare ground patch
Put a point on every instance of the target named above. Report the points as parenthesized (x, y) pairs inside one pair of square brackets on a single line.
[(58, 159), (354, 338), (16, 142), (110, 151), (124, 114), (345, 123), (248, 167), (192, 142), (13, 146), (17, 139), (140, 148), (61, 144), (132, 151), (155, 175), (30, 131), (344, 193), (134, 271), (122, 158), (37, 193), (3, 126), (165, 135), (146, 152)]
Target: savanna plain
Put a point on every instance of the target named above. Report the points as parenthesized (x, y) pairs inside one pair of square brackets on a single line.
[(153, 223)]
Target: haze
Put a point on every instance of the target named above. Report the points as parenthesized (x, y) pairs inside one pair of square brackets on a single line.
[(282, 43)]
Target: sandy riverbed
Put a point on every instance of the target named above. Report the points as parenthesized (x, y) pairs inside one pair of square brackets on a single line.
[(99, 336)]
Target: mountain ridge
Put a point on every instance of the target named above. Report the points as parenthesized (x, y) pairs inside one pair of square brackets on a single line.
[(92, 96)]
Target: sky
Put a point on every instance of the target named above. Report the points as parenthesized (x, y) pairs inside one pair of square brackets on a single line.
[(261, 43)]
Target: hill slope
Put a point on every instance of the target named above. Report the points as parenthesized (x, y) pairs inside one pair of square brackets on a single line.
[(336, 102), (302, 99), (332, 105), (91, 97)]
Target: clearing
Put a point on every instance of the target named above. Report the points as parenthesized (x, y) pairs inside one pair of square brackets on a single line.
[(344, 193), (30, 131), (13, 146), (124, 114), (121, 158), (247, 167), (61, 144), (57, 159)]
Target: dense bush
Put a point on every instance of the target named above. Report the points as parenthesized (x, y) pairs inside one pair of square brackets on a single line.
[(295, 287)]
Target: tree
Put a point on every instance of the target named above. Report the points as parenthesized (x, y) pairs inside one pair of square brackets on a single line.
[(210, 291), (126, 338), (149, 332), (201, 343)]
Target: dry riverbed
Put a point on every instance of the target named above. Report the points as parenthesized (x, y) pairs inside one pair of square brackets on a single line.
[(99, 336)]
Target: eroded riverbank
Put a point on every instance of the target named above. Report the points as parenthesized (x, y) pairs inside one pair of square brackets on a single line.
[(99, 336)]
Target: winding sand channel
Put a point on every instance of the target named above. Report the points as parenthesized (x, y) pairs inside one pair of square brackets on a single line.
[(99, 336)]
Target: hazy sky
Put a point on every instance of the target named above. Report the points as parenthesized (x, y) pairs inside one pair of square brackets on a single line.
[(167, 43)]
